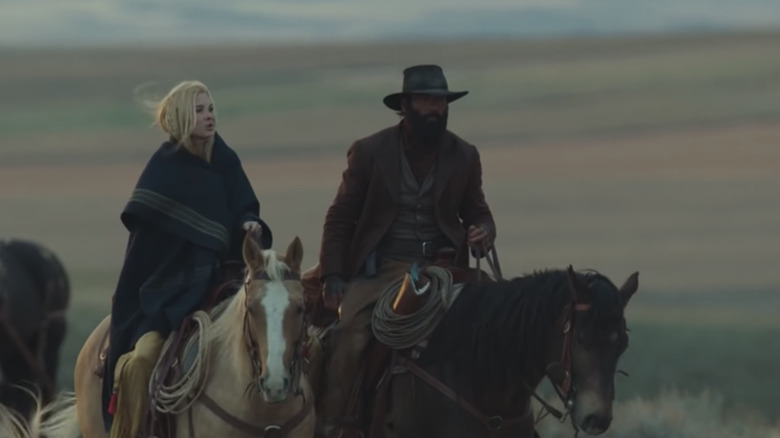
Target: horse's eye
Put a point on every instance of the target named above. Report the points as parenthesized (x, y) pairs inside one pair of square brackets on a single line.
[(299, 310)]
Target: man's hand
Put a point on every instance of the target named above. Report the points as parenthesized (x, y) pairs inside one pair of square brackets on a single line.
[(332, 292), (253, 228), (479, 239)]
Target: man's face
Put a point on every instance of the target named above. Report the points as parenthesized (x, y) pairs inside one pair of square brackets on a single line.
[(427, 116)]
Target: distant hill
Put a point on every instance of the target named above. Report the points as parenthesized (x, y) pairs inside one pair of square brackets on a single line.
[(88, 22)]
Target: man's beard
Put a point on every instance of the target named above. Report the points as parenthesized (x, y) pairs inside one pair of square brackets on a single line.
[(429, 128)]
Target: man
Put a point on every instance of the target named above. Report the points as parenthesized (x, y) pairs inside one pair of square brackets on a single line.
[(408, 191)]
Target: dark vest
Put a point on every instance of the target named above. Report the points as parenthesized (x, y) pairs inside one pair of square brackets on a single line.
[(415, 221)]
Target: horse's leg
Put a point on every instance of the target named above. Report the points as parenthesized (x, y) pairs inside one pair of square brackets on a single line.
[(88, 386), (417, 410), (400, 419)]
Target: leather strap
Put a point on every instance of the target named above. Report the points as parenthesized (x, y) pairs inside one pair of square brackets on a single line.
[(425, 249), (492, 423), (271, 430), (492, 262), (102, 354)]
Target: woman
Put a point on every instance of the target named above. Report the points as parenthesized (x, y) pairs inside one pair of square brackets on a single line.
[(187, 216)]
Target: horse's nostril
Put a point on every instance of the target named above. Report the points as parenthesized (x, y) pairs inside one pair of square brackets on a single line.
[(596, 423), (262, 381), (286, 382)]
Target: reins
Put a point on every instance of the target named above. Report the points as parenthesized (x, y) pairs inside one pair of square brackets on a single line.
[(562, 383), (492, 260)]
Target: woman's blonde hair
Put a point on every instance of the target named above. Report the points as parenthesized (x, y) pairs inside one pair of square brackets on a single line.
[(175, 114)]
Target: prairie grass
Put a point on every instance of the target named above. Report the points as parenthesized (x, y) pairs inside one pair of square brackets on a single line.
[(674, 414)]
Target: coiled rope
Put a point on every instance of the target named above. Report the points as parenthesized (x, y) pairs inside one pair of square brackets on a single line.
[(405, 331), (178, 397)]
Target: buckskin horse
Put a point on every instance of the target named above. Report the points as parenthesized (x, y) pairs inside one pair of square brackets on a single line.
[(249, 378), (476, 372), (34, 295)]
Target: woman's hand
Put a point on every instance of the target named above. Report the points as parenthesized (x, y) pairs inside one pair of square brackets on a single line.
[(254, 228)]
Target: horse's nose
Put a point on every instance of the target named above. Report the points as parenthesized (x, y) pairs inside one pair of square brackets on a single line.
[(595, 424)]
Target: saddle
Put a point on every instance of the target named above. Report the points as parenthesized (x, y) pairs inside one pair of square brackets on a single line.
[(179, 351), (368, 402), (314, 309), (215, 297), (321, 318)]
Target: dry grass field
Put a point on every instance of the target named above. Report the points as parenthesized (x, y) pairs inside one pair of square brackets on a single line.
[(656, 155)]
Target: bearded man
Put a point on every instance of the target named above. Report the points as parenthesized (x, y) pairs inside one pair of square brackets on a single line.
[(408, 191)]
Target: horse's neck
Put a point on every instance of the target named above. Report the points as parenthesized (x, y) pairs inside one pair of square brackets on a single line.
[(505, 390)]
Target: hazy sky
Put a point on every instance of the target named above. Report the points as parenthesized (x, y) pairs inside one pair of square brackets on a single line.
[(97, 22)]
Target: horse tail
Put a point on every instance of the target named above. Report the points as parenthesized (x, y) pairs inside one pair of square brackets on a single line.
[(59, 418), (54, 420)]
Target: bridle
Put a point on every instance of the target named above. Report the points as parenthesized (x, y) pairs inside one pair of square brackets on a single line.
[(560, 373), (271, 430), (296, 366), (563, 382)]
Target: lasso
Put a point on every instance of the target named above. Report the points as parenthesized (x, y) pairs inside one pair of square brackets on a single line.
[(178, 397), (405, 331)]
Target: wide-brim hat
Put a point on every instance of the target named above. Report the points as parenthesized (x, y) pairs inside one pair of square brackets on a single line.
[(422, 79)]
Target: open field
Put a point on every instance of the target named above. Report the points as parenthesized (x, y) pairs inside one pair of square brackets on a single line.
[(660, 156)]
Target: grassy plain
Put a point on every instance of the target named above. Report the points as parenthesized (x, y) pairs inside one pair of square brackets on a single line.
[(656, 155)]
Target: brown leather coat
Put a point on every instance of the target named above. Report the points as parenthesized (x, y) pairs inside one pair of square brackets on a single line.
[(365, 204)]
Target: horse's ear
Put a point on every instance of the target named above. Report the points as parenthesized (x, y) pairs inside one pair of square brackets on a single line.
[(579, 291), (628, 288), (294, 255), (253, 255)]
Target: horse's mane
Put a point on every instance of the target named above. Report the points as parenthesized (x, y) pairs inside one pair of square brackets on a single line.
[(274, 268), (497, 333)]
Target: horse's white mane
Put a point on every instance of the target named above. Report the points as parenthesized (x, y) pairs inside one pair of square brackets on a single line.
[(274, 268)]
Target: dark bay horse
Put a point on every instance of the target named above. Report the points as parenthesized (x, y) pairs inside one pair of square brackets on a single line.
[(483, 362), (34, 294)]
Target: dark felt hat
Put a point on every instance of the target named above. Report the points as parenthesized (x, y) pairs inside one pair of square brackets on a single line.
[(423, 79)]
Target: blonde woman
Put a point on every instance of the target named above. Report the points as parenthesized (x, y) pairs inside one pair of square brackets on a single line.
[(187, 216)]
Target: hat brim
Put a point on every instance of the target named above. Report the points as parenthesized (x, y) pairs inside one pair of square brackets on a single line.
[(393, 101)]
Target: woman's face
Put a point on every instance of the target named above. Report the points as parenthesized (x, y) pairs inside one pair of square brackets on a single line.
[(205, 123)]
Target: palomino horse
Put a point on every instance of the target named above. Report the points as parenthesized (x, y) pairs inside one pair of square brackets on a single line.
[(34, 294), (255, 384), (493, 346)]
